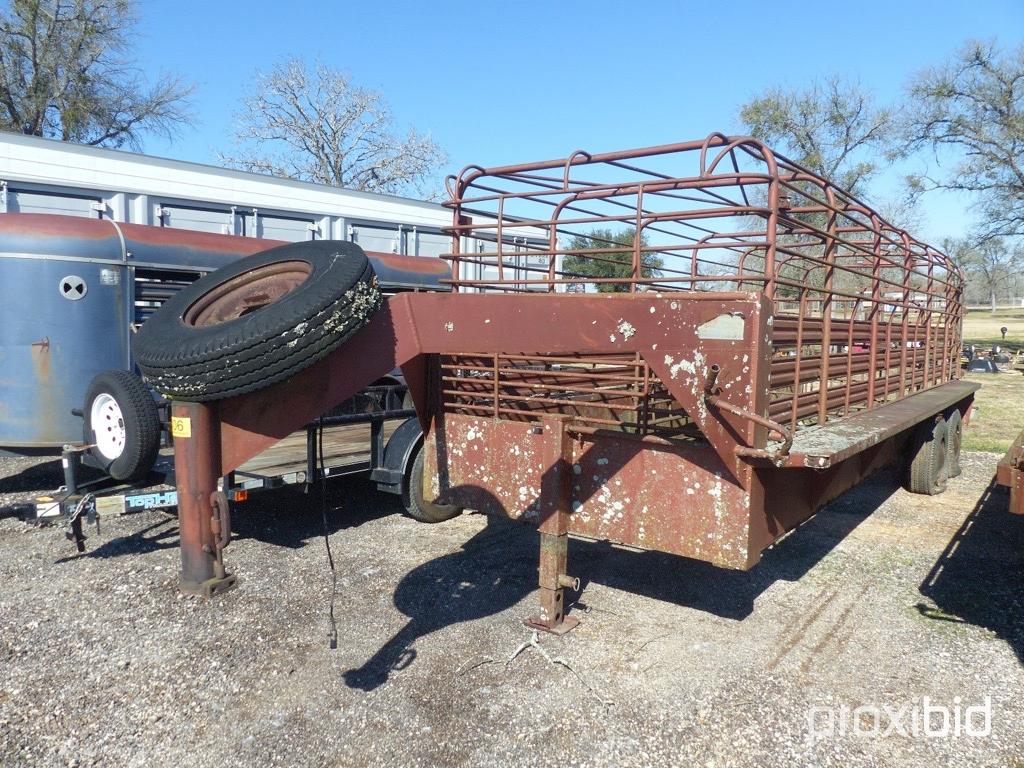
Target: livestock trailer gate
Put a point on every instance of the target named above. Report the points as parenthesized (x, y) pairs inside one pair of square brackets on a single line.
[(743, 342)]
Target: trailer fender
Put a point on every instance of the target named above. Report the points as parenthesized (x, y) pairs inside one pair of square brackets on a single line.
[(399, 453)]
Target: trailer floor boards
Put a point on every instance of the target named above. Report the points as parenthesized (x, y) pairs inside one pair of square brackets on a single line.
[(344, 444)]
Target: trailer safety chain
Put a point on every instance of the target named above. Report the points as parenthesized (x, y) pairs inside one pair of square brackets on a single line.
[(74, 532), (220, 527), (332, 631)]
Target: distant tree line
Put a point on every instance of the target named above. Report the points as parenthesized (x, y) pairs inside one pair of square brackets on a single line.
[(962, 119), (66, 72)]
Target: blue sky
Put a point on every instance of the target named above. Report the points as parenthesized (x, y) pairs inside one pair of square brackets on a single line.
[(504, 82)]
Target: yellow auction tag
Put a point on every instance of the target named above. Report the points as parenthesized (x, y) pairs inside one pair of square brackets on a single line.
[(181, 426)]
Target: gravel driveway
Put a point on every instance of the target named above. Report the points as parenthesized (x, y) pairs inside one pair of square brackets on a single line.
[(880, 601)]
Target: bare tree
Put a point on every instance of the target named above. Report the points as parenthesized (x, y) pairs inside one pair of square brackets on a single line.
[(973, 108), (315, 125), (988, 265), (831, 127), (64, 73)]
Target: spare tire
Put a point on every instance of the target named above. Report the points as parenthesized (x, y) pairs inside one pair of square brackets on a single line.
[(257, 321), (122, 425)]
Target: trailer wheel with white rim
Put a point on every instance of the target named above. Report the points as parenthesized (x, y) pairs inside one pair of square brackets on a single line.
[(122, 425)]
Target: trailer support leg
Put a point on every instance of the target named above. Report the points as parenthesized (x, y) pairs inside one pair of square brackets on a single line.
[(554, 527), (196, 431)]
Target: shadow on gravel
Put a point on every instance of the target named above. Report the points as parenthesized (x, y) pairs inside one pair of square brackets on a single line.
[(498, 567), (493, 571), (979, 578), (162, 534), (289, 517), (38, 478)]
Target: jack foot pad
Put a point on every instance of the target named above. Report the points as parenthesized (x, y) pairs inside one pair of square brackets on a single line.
[(567, 624), (210, 587)]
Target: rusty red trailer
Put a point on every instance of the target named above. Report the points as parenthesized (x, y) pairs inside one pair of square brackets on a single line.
[(708, 343), (1010, 474)]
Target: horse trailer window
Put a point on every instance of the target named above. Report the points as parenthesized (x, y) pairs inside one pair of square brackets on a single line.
[(379, 239), (155, 286), (24, 201), (220, 221), (283, 228)]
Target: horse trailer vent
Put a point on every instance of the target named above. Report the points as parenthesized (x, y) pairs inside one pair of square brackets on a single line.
[(155, 286)]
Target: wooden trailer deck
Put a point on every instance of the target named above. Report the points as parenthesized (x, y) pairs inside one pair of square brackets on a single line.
[(346, 450)]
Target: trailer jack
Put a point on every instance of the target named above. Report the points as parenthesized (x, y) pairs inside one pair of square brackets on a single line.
[(554, 527)]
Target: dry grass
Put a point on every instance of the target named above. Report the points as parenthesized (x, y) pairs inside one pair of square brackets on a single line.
[(981, 327), (999, 414)]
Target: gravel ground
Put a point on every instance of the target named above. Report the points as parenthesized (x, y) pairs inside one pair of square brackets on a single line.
[(883, 599)]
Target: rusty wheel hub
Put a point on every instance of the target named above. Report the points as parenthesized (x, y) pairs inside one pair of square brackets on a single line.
[(247, 293)]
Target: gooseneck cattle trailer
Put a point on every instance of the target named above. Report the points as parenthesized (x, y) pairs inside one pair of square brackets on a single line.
[(710, 342)]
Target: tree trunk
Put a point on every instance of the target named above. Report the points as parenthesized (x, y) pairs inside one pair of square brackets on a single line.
[(992, 296)]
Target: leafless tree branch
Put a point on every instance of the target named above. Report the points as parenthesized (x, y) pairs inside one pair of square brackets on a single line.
[(972, 110), (314, 124), (64, 73), (832, 127)]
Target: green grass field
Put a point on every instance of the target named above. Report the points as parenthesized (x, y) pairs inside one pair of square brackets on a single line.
[(999, 414), (981, 327)]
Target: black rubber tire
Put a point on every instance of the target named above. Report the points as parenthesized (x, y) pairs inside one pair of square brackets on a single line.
[(954, 437), (141, 424), (416, 506), (927, 472), (200, 363)]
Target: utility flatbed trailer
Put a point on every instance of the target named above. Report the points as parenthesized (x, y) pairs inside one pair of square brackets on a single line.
[(710, 343), (331, 447)]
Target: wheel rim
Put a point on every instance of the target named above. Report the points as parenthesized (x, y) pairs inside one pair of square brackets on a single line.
[(107, 423), (247, 293)]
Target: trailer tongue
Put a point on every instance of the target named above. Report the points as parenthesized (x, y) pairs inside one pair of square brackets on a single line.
[(700, 356)]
